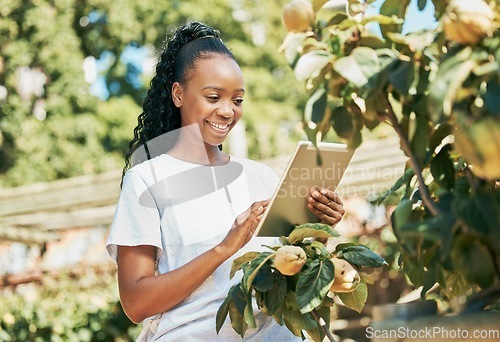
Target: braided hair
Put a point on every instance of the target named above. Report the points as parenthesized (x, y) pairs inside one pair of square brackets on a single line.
[(189, 43)]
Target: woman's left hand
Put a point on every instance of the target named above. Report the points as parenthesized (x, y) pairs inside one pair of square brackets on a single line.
[(326, 205)]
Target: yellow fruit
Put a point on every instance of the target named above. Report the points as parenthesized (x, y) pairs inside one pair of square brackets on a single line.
[(289, 260), (479, 145), (468, 21), (346, 276), (298, 15)]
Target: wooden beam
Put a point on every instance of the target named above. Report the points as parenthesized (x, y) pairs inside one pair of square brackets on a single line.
[(62, 219)]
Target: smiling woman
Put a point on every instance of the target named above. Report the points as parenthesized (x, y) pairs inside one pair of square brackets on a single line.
[(187, 209)]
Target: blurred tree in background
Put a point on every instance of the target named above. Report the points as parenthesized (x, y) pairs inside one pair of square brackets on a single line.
[(51, 52)]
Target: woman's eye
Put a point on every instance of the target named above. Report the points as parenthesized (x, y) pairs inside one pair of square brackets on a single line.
[(238, 101), (213, 98)]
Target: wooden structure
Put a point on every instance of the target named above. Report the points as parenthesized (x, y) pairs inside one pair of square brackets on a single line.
[(35, 213)]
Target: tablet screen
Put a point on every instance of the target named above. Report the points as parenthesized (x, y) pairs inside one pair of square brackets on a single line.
[(308, 167)]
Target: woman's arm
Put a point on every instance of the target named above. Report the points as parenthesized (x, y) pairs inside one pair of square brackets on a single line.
[(144, 294)]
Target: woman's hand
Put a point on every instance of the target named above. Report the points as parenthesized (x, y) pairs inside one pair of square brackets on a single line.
[(326, 205), (243, 228)]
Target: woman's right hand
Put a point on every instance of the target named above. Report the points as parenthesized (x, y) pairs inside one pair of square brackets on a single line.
[(243, 228)]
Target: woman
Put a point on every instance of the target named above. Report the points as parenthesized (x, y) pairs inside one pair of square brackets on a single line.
[(176, 228)]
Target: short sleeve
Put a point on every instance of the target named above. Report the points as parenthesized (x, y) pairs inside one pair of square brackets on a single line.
[(137, 219)]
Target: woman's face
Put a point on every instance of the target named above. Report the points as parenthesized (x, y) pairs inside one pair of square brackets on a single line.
[(212, 97)]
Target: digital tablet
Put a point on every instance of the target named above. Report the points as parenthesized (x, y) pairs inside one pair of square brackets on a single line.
[(308, 167)]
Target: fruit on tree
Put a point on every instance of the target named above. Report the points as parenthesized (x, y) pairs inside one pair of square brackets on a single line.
[(479, 145), (298, 15), (346, 276), (467, 22), (289, 260)]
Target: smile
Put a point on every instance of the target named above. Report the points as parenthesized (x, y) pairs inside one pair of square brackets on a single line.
[(218, 126)]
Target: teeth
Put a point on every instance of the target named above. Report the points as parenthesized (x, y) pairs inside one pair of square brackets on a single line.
[(219, 126)]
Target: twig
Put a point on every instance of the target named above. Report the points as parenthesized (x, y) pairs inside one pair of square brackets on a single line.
[(321, 322), (405, 145)]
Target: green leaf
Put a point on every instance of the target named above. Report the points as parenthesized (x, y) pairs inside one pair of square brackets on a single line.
[(337, 18), (442, 168), (314, 230), (320, 248), (490, 97), (381, 19), (342, 246), (298, 320), (314, 283), (473, 259), (465, 209), (451, 74), (420, 139), (359, 67), (416, 41), (441, 132), (237, 320), (248, 314), (396, 8), (238, 299), (453, 284), (245, 258), (311, 64), (367, 59), (264, 279), (356, 299), (371, 41), (431, 229), (360, 255), (223, 311), (278, 315), (316, 106), (405, 179), (253, 268), (343, 122), (401, 75), (316, 334), (402, 213), (275, 297), (290, 47), (317, 4)]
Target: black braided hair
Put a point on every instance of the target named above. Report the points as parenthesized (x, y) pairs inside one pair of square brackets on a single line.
[(189, 43)]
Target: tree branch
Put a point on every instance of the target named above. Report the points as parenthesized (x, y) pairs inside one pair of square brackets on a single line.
[(405, 145), (321, 322)]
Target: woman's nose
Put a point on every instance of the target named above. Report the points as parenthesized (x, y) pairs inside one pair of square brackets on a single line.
[(226, 110)]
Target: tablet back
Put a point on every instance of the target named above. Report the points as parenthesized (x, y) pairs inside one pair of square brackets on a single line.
[(306, 169)]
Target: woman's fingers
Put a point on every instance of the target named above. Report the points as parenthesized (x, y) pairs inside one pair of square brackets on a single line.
[(326, 205)]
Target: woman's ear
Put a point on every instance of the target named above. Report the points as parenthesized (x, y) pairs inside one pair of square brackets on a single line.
[(177, 94)]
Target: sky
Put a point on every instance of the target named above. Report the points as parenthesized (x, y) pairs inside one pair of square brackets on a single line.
[(415, 20)]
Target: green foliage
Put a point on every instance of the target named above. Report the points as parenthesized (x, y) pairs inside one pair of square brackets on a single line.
[(441, 99), (294, 300), (59, 129), (65, 309)]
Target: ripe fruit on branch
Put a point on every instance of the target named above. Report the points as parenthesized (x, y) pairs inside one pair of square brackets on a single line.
[(467, 22), (346, 276), (479, 145), (289, 260), (298, 15)]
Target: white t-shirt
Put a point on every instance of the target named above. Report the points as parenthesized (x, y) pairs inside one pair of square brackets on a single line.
[(184, 209)]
